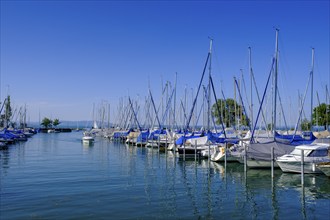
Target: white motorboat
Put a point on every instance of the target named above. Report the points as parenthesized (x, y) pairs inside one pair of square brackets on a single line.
[(313, 154), (88, 138)]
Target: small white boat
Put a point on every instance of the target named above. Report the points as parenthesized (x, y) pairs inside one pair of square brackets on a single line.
[(313, 154), (218, 154), (213, 149), (88, 138)]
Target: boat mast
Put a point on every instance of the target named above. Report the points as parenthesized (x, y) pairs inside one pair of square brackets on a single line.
[(312, 76), (251, 79), (93, 115), (161, 78), (167, 118), (275, 83), (327, 106), (221, 104), (185, 102), (235, 112), (319, 104), (109, 115), (174, 107), (209, 89)]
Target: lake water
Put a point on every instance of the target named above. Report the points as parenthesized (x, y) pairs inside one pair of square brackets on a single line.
[(55, 176)]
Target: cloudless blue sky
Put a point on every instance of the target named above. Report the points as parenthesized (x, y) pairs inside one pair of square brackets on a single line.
[(60, 57)]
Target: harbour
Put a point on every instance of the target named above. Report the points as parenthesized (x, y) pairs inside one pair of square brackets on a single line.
[(144, 110), (57, 176)]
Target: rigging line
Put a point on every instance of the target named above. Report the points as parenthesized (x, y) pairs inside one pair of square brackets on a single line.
[(184, 110), (128, 122), (154, 107), (258, 96), (199, 86), (135, 116), (167, 106), (199, 114), (239, 93), (147, 112), (318, 75), (262, 100), (302, 107), (226, 107), (247, 99), (127, 115), (215, 97), (174, 123), (279, 98), (206, 96), (3, 104)]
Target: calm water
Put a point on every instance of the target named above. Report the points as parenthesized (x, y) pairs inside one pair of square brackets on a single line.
[(54, 176)]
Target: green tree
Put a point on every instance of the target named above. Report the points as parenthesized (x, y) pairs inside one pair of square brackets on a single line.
[(56, 122), (46, 122), (227, 111), (305, 125), (269, 126), (321, 115)]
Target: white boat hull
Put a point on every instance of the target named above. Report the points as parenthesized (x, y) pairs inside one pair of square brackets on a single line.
[(295, 167), (251, 163), (88, 139)]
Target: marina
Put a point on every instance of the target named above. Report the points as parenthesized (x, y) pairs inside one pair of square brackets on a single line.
[(57, 176), (144, 110)]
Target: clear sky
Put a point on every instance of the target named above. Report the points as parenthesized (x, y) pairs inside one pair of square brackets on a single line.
[(60, 57)]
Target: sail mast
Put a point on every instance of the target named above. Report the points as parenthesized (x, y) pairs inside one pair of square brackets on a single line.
[(251, 79), (174, 107), (275, 84), (327, 106), (209, 89), (312, 76)]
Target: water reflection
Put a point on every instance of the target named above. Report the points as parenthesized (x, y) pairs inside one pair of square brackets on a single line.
[(88, 149), (4, 160), (315, 186), (87, 144), (129, 182)]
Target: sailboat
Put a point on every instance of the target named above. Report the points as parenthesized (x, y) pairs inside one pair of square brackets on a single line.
[(261, 155), (193, 144)]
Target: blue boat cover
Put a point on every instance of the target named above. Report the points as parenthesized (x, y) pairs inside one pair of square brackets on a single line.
[(296, 139), (143, 136)]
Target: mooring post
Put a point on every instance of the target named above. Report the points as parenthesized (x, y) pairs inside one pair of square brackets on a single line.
[(195, 150), (166, 144), (184, 150), (245, 157), (272, 162), (174, 144), (226, 155), (209, 153), (302, 167)]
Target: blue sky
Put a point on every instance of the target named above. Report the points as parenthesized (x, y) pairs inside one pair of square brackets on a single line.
[(60, 57)]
